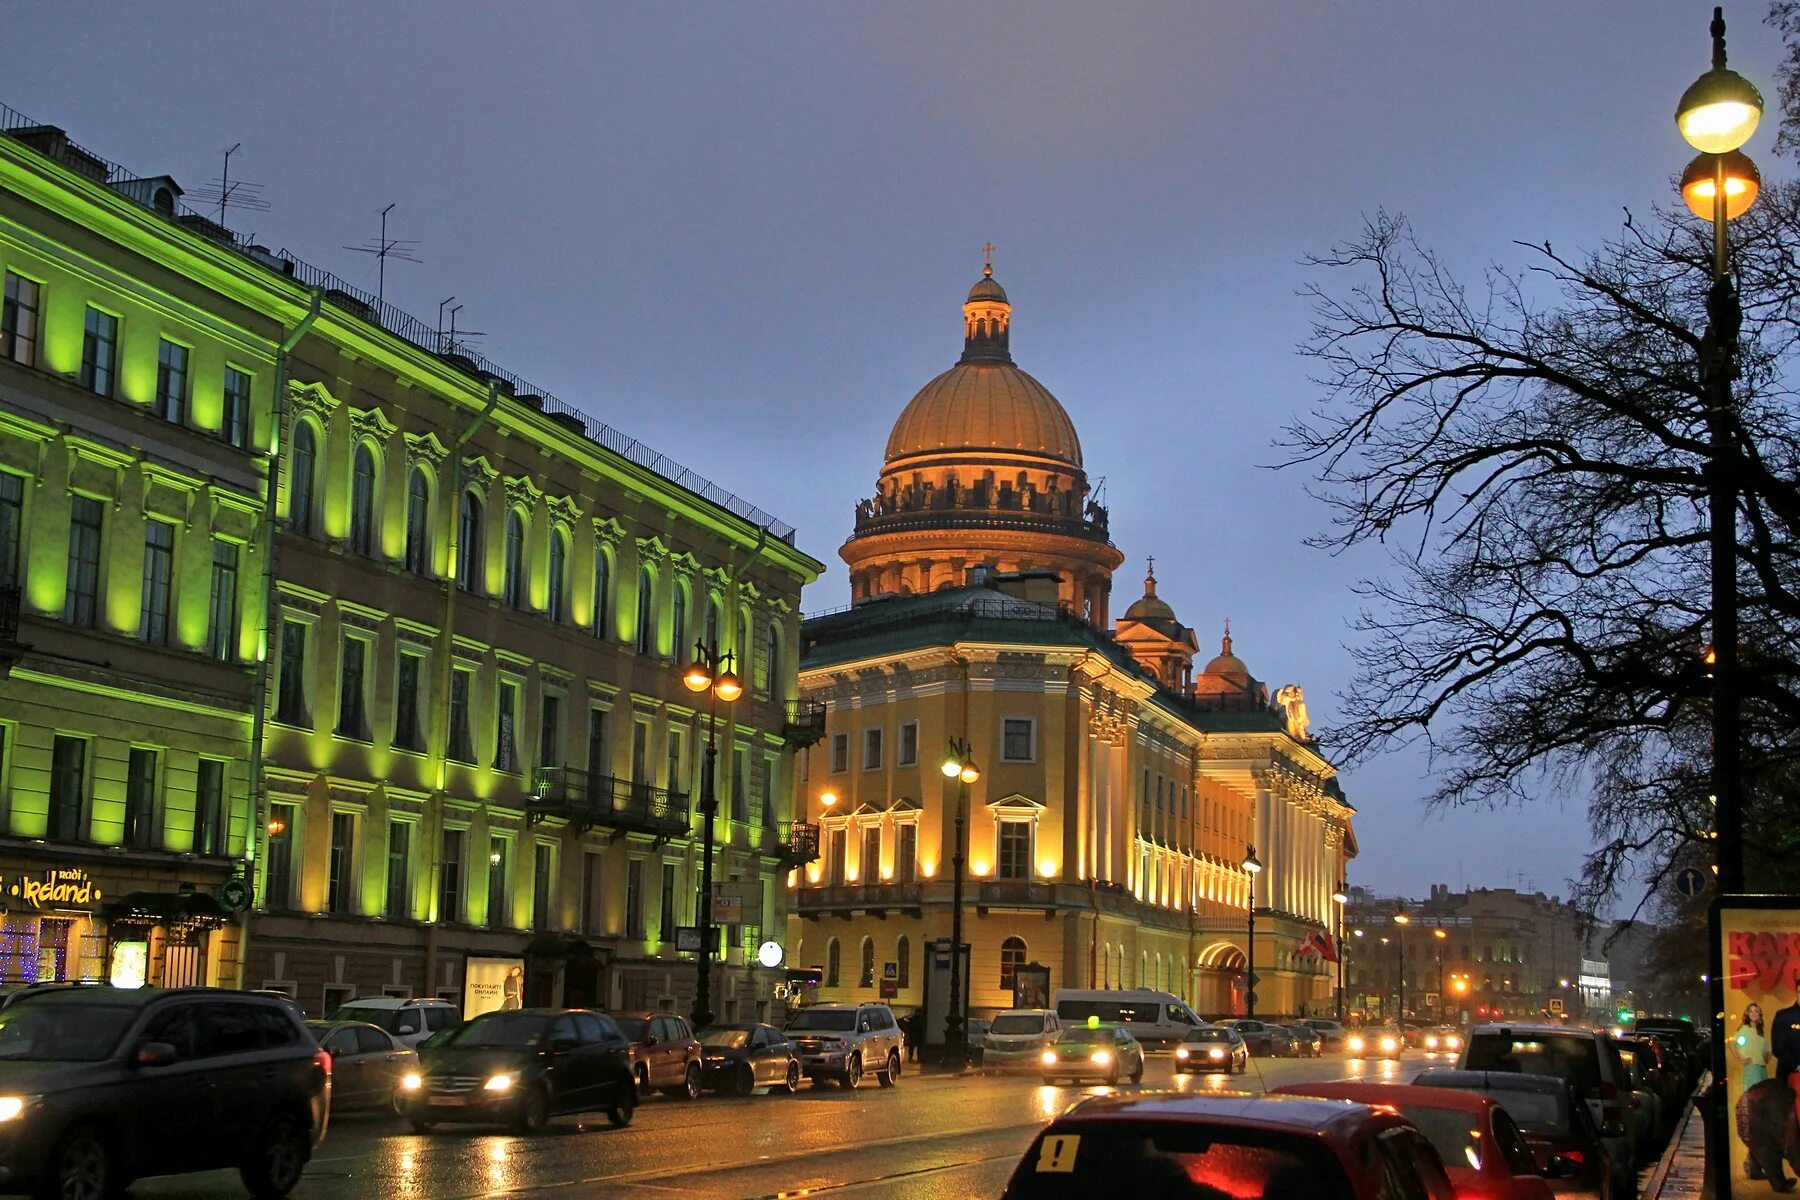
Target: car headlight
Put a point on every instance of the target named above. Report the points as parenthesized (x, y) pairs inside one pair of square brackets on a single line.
[(1431, 1043), (1048, 1058), (410, 1082), (499, 1083), (12, 1106), (1356, 1043), (1387, 1043), (1181, 1052), (1215, 1052), (1454, 1043), (1100, 1056)]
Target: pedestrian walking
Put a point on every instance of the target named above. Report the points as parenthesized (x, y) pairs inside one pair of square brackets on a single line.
[(915, 1034)]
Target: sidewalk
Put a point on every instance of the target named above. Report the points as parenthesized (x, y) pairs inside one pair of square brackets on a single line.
[(1681, 1173)]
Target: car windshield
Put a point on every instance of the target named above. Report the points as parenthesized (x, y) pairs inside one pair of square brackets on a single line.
[(52, 1030), (1018, 1023), (823, 1020), (725, 1039), (499, 1029), (386, 1018), (634, 1028), (1209, 1035), (1084, 1033), (1576, 1059), (1175, 1162), (1456, 1136)]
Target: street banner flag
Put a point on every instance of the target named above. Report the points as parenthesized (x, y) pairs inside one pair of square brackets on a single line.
[(1328, 946)]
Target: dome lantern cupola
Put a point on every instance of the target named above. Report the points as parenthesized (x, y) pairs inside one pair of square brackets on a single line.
[(987, 317)]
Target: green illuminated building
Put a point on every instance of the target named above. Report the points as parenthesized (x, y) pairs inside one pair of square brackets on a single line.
[(473, 744)]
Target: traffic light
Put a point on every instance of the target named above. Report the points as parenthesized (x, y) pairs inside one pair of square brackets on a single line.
[(1625, 1015)]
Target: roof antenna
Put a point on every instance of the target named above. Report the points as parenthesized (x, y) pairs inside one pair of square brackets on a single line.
[(453, 340), (384, 248), (242, 193)]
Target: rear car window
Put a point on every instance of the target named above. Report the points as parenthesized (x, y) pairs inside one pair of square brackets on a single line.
[(384, 1018), (1566, 1056), (1536, 1112), (372, 1041), (1456, 1136), (1170, 1161), (439, 1018)]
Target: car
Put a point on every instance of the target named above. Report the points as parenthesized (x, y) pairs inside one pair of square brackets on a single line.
[(1376, 1041), (1017, 1037), (1332, 1032), (1441, 1039), (521, 1067), (1154, 1018), (742, 1057), (1264, 1039), (368, 1065), (13, 993), (1481, 1146), (1308, 1042), (840, 1043), (1655, 1061), (410, 1020), (1588, 1060), (1213, 1048), (664, 1053), (1554, 1121), (1199, 1145), (107, 1085), (1644, 1115), (1104, 1052)]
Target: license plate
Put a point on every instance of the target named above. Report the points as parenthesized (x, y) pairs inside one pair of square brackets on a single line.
[(449, 1101)]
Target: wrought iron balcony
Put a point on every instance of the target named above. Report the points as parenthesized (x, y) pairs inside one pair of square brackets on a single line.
[(805, 725), (868, 896), (1015, 893), (801, 845), (586, 800)]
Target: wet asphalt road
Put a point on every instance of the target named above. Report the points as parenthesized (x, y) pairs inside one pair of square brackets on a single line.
[(931, 1138)]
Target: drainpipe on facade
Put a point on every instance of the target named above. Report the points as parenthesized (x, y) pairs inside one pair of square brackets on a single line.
[(259, 694), (440, 752)]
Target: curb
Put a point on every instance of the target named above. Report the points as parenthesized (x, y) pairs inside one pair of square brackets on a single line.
[(1679, 1149)]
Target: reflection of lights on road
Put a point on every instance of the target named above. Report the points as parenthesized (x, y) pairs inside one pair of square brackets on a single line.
[(1048, 1102), (408, 1162), (497, 1172)]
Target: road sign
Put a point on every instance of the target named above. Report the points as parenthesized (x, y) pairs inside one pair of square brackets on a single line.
[(1556, 1004), (737, 903), (890, 971), (1690, 881), (769, 954), (234, 894), (687, 939), (1255, 979)]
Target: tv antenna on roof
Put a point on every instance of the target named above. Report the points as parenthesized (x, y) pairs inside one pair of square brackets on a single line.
[(242, 193), (452, 340), (384, 248)]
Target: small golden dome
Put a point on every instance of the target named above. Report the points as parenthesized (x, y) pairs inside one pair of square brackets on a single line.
[(1151, 608), (1228, 665), (985, 406)]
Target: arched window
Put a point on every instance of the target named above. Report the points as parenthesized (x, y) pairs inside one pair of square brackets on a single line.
[(866, 975), (362, 501), (831, 963), (1144, 969), (418, 522), (768, 679), (602, 591), (303, 477), (1012, 957), (559, 562), (469, 549), (646, 613), (903, 956), (678, 620), (715, 619), (512, 589), (746, 645)]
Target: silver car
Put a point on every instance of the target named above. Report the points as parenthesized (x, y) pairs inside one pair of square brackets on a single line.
[(1017, 1038)]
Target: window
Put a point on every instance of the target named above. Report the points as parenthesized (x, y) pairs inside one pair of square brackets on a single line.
[(555, 606), (543, 880), (740, 784), (234, 419), (209, 808), (469, 548), (221, 607), (506, 740), (462, 746), (171, 382), (550, 740), (768, 792), (602, 590), (278, 883), (908, 754), (512, 585), (1015, 850), (362, 501), (499, 910), (634, 899), (19, 320), (831, 963), (68, 788), (1017, 739), (640, 755), (12, 527), (840, 753), (353, 714), (906, 851), (872, 749), (100, 352), (593, 894), (835, 849), (340, 895), (678, 622), (159, 581), (399, 870), (1012, 957), (871, 853), (140, 798), (597, 763), (409, 733), (865, 975), (450, 876), (646, 614), (903, 961), (290, 689), (418, 522), (303, 477), (665, 929), (87, 518), (768, 674), (677, 746)]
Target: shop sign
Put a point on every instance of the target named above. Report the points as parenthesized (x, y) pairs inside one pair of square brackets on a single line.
[(59, 887)]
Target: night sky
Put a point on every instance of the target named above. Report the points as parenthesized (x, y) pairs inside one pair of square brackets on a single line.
[(742, 233)]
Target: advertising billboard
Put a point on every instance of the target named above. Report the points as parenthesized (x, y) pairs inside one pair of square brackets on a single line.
[(490, 984), (1756, 959)]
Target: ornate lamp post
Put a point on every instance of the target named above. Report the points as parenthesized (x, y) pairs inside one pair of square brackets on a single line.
[(1252, 867), (959, 764), (1438, 935), (1402, 920), (1341, 897), (710, 672)]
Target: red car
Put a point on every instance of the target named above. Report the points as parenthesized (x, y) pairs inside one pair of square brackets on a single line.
[(1482, 1149), (1229, 1146)]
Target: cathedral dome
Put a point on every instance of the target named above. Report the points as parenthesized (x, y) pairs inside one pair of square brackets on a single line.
[(1151, 608), (985, 406), (1228, 665)]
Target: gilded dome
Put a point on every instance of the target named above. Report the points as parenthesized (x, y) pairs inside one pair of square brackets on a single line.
[(1151, 608), (1227, 664), (988, 288), (985, 406)]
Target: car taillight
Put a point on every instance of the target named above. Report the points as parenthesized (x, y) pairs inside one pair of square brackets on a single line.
[(322, 1059), (1609, 1091), (1575, 1156)]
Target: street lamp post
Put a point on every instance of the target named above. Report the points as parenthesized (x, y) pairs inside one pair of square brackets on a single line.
[(1341, 897), (710, 672), (1402, 920), (1437, 971), (1252, 866), (959, 764)]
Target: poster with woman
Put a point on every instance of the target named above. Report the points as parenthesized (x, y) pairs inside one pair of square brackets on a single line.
[(1757, 940)]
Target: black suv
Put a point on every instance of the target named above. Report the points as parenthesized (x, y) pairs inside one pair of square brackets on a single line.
[(520, 1067), (100, 1086)]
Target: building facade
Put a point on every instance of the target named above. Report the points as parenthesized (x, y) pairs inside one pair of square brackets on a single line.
[(1120, 790)]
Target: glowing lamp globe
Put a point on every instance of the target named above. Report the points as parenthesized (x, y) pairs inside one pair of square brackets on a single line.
[(1719, 112), (697, 677), (969, 773), (729, 687), (1699, 184), (952, 768)]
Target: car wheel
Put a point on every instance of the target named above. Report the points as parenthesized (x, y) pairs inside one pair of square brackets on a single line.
[(1137, 1072), (1112, 1076), (83, 1168), (534, 1111), (743, 1082), (620, 1114), (793, 1078), (690, 1083), (852, 1075), (891, 1076), (419, 1126), (275, 1166), (398, 1103)]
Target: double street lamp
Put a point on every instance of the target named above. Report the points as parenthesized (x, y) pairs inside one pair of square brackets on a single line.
[(710, 672), (959, 764), (1340, 897), (1252, 867)]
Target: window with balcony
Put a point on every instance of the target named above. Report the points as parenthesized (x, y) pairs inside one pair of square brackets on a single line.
[(836, 844), (100, 352), (170, 401), (87, 521), (19, 320), (870, 868), (159, 582), (1014, 857), (906, 851), (550, 737)]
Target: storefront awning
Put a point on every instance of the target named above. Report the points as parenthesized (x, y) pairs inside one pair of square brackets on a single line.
[(168, 908)]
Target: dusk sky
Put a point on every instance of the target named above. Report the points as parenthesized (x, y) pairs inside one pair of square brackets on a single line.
[(742, 233)]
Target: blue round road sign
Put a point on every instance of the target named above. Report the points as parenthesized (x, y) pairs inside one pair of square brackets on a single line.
[(1690, 881)]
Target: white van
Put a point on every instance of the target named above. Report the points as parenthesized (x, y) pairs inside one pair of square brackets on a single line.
[(1152, 1017)]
